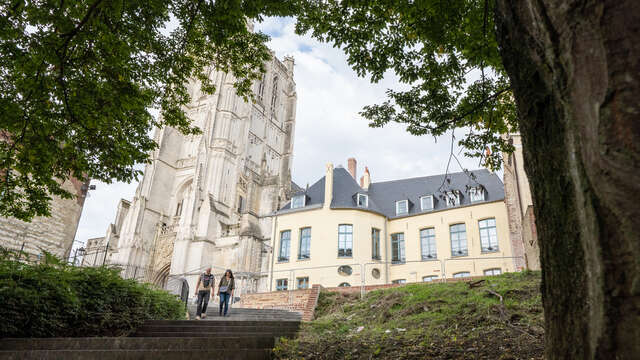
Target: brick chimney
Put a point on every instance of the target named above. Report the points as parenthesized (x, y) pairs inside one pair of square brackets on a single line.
[(352, 165), (366, 179)]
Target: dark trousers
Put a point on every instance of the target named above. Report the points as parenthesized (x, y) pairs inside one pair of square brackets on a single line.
[(203, 301), (224, 301)]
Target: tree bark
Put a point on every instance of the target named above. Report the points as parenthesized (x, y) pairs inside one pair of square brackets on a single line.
[(575, 72)]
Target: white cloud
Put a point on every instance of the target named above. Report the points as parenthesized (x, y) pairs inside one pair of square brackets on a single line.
[(328, 127)]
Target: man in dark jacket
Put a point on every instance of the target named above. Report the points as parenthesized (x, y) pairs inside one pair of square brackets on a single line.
[(204, 290)]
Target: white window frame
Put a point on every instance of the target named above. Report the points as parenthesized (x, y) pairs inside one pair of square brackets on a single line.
[(304, 248), (398, 208), (431, 278), (488, 235), (283, 254), (399, 281), (458, 240), (476, 194), (428, 248), (366, 200), (345, 240), (452, 198), (398, 242), (293, 202), (492, 272), (422, 204)]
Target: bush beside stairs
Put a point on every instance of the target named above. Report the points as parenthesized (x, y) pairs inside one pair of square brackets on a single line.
[(244, 334)]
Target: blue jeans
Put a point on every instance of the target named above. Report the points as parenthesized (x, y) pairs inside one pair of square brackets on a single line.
[(224, 301)]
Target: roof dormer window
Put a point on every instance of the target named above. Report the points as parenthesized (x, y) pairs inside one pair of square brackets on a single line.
[(363, 200), (426, 202), (452, 198), (298, 201), (402, 207), (476, 194)]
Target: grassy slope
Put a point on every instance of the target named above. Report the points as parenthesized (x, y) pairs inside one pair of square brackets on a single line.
[(435, 321)]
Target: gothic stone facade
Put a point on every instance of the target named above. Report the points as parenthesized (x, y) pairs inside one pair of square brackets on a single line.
[(206, 200), (54, 234)]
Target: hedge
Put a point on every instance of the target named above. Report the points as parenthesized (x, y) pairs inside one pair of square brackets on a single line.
[(52, 299)]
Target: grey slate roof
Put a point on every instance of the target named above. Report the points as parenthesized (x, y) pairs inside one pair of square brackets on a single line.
[(295, 188), (383, 195)]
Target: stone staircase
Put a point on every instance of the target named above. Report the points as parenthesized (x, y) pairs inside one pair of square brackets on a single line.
[(245, 334), (246, 314)]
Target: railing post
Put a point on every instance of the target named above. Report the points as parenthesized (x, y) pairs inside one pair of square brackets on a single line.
[(363, 277), (444, 271)]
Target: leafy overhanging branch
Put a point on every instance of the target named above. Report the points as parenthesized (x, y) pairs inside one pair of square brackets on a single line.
[(77, 80)]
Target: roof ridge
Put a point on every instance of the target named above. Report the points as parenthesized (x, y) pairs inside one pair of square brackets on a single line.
[(428, 176)]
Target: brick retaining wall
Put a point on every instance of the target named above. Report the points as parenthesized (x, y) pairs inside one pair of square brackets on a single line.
[(300, 301)]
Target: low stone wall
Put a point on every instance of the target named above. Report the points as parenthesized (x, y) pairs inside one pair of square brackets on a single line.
[(300, 301)]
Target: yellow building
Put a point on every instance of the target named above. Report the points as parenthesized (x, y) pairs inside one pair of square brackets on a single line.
[(339, 233)]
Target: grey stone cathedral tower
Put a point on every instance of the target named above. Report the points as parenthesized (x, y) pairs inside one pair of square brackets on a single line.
[(207, 199)]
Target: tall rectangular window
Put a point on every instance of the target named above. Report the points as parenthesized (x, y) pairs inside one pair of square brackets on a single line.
[(285, 244), (345, 240), (282, 284), (458, 240), (397, 248), (375, 244), (488, 235), (304, 250), (428, 243)]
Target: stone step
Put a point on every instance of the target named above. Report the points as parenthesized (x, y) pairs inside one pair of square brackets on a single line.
[(221, 321), (190, 334), (235, 354), (138, 343), (221, 329)]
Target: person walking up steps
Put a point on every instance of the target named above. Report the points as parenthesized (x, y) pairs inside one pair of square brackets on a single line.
[(225, 291), (204, 290)]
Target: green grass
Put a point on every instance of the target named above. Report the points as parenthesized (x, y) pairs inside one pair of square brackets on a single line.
[(439, 321)]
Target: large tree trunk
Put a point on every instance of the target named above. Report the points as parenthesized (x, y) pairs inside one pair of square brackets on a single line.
[(575, 71)]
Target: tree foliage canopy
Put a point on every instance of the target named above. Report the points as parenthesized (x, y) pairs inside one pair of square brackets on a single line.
[(78, 80), (445, 50)]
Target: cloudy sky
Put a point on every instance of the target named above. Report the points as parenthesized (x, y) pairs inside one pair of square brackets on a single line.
[(328, 127)]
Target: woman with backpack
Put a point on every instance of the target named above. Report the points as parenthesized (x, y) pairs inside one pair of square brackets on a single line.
[(225, 290)]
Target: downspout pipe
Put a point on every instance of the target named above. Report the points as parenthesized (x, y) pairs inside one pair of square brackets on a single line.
[(273, 248)]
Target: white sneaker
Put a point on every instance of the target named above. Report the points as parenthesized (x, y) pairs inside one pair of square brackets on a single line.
[(204, 316), (197, 317)]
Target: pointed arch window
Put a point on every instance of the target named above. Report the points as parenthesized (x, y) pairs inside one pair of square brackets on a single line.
[(261, 88), (274, 94)]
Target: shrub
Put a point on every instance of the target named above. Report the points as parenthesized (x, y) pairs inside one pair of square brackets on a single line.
[(56, 300)]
